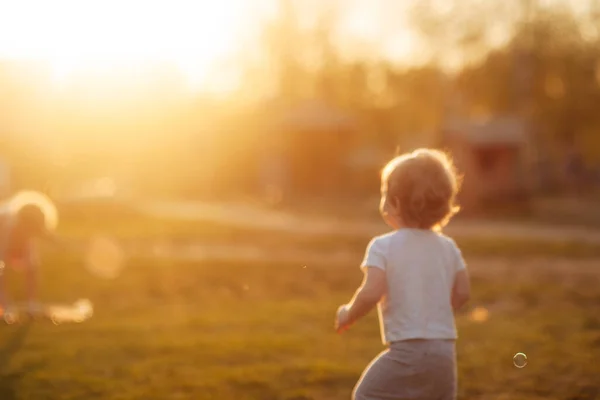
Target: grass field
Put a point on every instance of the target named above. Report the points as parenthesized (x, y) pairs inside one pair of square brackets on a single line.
[(263, 330)]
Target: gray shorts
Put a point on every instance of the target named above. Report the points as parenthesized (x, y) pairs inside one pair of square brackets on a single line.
[(411, 369)]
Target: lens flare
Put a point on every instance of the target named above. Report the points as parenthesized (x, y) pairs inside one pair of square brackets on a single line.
[(21, 199), (104, 257), (479, 314)]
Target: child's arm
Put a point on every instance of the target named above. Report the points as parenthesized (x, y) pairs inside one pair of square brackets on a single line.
[(366, 297), (3, 250), (461, 290), (32, 274), (3, 298)]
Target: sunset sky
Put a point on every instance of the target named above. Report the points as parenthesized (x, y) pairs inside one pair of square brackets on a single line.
[(73, 36), (76, 36), (108, 62)]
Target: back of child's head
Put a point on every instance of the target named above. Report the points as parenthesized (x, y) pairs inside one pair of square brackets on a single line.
[(423, 186), (31, 219)]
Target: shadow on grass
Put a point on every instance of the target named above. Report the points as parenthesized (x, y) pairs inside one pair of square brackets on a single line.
[(7, 351)]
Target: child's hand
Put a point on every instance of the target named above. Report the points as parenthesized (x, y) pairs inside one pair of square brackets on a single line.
[(342, 320)]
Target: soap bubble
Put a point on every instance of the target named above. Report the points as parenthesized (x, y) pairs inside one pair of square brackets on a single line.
[(104, 257), (520, 360)]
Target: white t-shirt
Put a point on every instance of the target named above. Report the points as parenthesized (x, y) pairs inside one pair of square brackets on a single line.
[(420, 267)]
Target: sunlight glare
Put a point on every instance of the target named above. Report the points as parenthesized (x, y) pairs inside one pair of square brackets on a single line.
[(61, 70), (75, 37)]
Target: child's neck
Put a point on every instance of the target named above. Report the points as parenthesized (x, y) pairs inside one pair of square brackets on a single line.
[(401, 226)]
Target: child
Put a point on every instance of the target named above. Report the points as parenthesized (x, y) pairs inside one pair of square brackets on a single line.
[(18, 233), (417, 277)]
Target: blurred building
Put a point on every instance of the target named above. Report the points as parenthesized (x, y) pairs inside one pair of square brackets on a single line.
[(309, 143), (365, 164), (493, 156)]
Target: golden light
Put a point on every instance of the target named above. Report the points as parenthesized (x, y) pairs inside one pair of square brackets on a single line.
[(376, 29), (78, 37)]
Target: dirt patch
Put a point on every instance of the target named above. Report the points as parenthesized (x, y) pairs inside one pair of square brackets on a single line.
[(260, 218)]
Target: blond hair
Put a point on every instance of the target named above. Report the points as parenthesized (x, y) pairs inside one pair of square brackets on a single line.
[(423, 185)]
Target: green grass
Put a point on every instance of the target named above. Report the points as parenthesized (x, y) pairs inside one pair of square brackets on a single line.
[(263, 330), (219, 330)]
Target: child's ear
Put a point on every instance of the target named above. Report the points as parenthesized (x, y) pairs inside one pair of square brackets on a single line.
[(396, 203)]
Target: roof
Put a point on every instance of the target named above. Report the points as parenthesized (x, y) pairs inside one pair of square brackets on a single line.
[(496, 131), (368, 157)]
